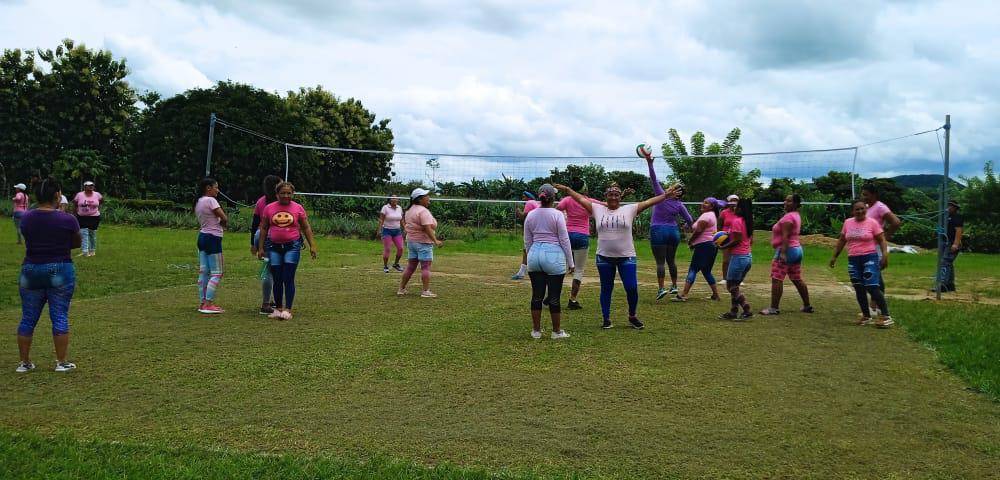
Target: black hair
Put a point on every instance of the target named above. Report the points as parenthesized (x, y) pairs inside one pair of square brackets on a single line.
[(796, 200), (744, 209), (46, 190), (870, 188), (576, 183), (546, 200), (204, 184), (857, 201), (270, 190)]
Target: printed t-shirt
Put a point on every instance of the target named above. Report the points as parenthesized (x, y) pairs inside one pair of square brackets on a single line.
[(283, 221), (577, 217), (614, 230), (710, 228), (205, 211), (861, 235), (48, 236), (393, 216), (795, 220), (88, 206), (414, 220), (738, 225)]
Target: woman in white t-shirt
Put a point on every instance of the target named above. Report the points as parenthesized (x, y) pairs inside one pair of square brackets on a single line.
[(615, 248), (389, 226)]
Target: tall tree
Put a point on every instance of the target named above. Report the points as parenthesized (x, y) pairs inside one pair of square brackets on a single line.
[(714, 175)]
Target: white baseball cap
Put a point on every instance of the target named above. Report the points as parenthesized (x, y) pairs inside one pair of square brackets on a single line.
[(88, 183), (418, 192), (733, 198), (21, 186)]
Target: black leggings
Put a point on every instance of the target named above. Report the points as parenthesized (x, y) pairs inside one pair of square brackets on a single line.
[(540, 282), (665, 254), (862, 292)]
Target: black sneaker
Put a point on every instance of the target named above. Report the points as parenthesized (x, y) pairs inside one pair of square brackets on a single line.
[(396, 267), (574, 305), (607, 324), (636, 323), (746, 315), (266, 310), (728, 316)]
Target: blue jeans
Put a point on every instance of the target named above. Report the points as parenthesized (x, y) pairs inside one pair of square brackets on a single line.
[(864, 270), (664, 235), (548, 258), (47, 282), (626, 267), (420, 251), (739, 267), (947, 275), (17, 226), (701, 261), (284, 260)]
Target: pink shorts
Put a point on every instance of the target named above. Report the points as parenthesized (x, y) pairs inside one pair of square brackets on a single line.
[(780, 270)]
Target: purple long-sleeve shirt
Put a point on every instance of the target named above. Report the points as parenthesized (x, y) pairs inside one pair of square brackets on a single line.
[(666, 212), (548, 225)]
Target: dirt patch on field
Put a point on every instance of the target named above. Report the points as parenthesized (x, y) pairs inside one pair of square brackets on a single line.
[(816, 239)]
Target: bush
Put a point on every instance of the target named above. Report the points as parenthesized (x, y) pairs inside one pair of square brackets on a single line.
[(915, 233), (143, 204), (981, 238)]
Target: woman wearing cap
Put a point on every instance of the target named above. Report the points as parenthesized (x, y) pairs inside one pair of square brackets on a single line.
[(863, 236), (701, 241), (20, 207), (47, 273), (212, 221), (578, 225), (88, 213), (787, 256), (270, 195), (421, 239), (282, 228), (664, 232), (615, 247), (529, 204), (391, 229), (725, 218), (550, 255)]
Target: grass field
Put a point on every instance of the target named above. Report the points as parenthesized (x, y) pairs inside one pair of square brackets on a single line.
[(364, 384)]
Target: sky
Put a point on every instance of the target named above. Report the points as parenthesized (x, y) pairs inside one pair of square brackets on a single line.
[(584, 78)]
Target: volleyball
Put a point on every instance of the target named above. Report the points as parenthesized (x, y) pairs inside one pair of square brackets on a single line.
[(643, 150), (720, 238)]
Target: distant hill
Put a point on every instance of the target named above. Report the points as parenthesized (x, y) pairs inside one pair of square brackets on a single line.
[(923, 181)]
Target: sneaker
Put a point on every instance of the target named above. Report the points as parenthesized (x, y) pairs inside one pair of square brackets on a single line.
[(25, 367), (275, 314), (396, 267), (673, 290), (807, 309), (517, 276), (679, 298), (559, 334), (574, 305), (266, 310), (536, 334), (385, 269), (862, 321), (714, 298), (65, 367), (286, 315), (728, 316), (401, 292), (770, 311), (607, 324), (746, 315), (636, 323), (428, 294), (662, 293), (210, 309), (884, 321)]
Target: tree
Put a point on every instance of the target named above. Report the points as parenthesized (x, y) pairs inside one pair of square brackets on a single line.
[(593, 175), (979, 197), (79, 165), (716, 175), (838, 185)]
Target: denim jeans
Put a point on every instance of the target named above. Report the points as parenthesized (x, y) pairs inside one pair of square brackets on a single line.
[(53, 283)]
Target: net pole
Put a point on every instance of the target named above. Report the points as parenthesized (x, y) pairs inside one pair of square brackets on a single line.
[(854, 168), (943, 208), (211, 141), (286, 162)]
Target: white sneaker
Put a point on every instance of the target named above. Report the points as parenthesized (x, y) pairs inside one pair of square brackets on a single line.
[(65, 367), (559, 334), (401, 292), (536, 334), (25, 367), (428, 294)]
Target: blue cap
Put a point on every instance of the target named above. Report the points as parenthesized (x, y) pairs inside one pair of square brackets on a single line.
[(529, 195)]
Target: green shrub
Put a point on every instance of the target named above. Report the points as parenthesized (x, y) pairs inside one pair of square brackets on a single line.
[(982, 238), (916, 233)]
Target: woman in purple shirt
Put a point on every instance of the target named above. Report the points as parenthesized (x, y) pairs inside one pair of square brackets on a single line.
[(664, 232), (47, 273), (550, 257)]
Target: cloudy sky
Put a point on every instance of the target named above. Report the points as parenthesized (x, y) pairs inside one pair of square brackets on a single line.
[(583, 78)]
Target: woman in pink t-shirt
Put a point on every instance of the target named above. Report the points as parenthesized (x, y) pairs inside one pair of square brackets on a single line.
[(88, 213), (390, 227), (282, 227), (578, 225), (787, 256), (530, 203), (863, 236), (20, 206), (421, 238), (704, 249), (212, 220), (740, 234)]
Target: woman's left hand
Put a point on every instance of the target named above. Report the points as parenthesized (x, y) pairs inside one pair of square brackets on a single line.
[(312, 252), (884, 263)]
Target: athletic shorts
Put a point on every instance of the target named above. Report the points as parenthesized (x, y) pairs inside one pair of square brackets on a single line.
[(90, 223), (420, 251), (209, 243), (791, 267), (391, 232)]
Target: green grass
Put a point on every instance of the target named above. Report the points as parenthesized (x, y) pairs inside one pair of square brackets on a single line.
[(375, 386)]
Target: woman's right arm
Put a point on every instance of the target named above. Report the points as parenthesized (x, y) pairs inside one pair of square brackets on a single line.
[(582, 200), (841, 241), (381, 221)]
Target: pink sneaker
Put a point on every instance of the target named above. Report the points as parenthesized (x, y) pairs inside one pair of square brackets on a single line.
[(211, 309), (276, 314), (286, 315)]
